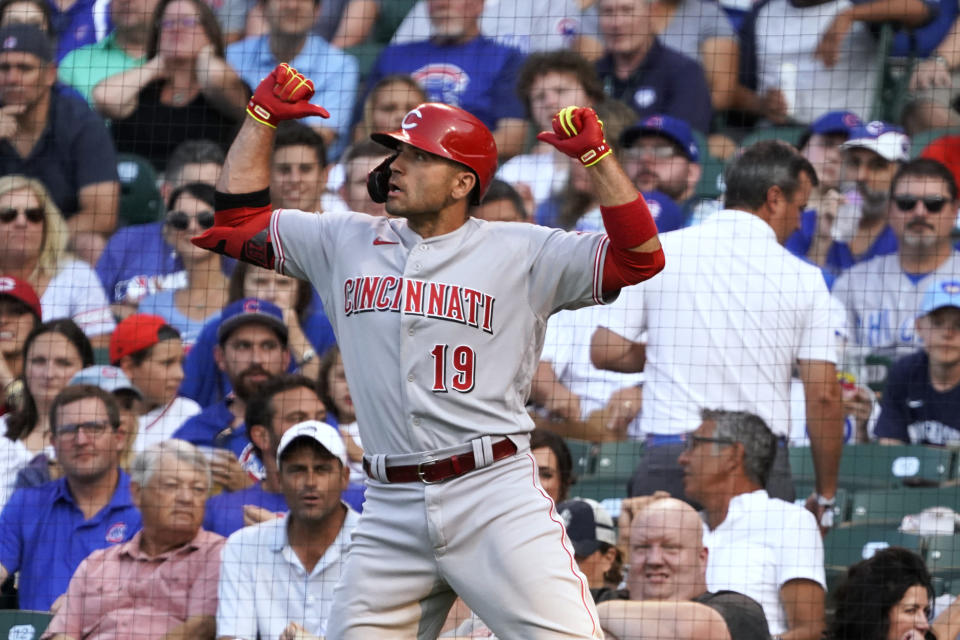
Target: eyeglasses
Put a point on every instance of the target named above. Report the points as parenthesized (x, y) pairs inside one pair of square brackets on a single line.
[(89, 428), (659, 152), (180, 220), (185, 21), (693, 441), (33, 214), (907, 202)]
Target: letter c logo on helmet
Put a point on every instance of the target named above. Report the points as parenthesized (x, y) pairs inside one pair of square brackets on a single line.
[(448, 132)]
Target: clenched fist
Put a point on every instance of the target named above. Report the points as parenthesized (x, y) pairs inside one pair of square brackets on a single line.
[(578, 132), (283, 95)]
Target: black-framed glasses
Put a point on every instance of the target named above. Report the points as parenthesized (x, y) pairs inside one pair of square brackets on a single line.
[(91, 428), (180, 220), (907, 202), (33, 214), (693, 441)]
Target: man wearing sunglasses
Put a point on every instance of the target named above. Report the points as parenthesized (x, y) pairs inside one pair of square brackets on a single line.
[(47, 531), (883, 296)]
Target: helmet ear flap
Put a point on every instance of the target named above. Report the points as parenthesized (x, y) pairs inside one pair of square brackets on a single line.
[(378, 180)]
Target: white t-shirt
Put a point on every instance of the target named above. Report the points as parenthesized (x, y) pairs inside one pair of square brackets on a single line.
[(76, 293), (14, 456), (161, 423), (544, 173), (762, 544), (726, 321)]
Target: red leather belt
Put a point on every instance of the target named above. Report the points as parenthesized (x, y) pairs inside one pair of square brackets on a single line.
[(445, 469)]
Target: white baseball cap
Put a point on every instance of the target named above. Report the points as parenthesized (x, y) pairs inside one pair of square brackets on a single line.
[(886, 140), (320, 432)]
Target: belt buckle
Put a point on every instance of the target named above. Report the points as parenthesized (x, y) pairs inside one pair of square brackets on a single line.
[(420, 472)]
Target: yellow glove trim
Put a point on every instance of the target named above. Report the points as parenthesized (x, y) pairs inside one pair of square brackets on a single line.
[(259, 119)]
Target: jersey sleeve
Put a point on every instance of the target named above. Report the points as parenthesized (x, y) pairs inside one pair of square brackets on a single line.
[(301, 241), (818, 335), (894, 416), (566, 271)]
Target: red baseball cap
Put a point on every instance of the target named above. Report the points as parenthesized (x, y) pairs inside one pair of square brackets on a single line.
[(134, 333), (21, 291)]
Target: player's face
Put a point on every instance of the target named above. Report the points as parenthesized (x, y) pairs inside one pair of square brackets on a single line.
[(266, 284), (549, 470), (624, 25), (84, 453), (251, 355), (173, 500), (312, 481), (551, 92), (910, 614), (340, 392), (199, 217), (421, 183), (823, 152), (665, 560), (291, 17), (48, 366), (22, 238), (291, 407), (654, 163), (940, 332), (24, 78), (297, 178), (354, 190), (16, 321), (704, 463), (917, 227), (159, 376), (390, 103)]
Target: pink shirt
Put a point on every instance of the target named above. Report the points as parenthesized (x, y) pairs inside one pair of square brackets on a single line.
[(122, 593)]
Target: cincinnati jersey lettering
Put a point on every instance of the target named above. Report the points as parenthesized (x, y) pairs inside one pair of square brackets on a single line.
[(450, 302)]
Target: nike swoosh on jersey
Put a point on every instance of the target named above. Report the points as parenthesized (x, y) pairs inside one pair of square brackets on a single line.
[(379, 241)]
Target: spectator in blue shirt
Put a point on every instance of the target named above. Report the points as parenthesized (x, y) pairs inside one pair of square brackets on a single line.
[(46, 531), (921, 402)]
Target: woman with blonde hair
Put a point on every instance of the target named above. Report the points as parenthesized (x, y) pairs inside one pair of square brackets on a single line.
[(34, 248)]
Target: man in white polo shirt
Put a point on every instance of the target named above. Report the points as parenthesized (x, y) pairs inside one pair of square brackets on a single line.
[(727, 321), (277, 577)]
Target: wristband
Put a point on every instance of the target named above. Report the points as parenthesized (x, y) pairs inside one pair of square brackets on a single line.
[(260, 114), (591, 157), (628, 225)]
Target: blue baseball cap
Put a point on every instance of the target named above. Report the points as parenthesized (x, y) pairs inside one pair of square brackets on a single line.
[(587, 524), (836, 122), (886, 140), (940, 294), (249, 310), (673, 128)]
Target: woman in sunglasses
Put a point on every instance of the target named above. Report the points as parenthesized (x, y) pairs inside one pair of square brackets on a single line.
[(185, 91), (190, 213), (34, 249)]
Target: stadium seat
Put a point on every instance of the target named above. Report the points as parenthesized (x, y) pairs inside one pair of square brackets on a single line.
[(23, 625), (920, 141), (583, 454), (889, 506), (943, 556), (140, 200), (871, 466), (790, 135), (618, 459), (599, 489), (710, 185), (848, 544)]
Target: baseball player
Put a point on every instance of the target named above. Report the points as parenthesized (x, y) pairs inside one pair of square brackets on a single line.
[(440, 319)]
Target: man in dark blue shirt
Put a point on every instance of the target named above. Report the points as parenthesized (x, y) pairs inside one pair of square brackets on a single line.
[(47, 531), (921, 402), (643, 73)]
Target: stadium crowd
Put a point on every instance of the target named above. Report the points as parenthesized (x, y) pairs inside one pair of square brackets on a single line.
[(180, 455)]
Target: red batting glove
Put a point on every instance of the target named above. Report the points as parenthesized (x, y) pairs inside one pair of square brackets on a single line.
[(283, 95), (578, 132)]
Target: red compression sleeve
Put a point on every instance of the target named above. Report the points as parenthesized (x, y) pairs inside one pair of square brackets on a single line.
[(241, 228), (629, 225)]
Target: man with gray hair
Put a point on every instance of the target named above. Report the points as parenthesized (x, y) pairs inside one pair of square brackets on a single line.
[(725, 324), (162, 583), (725, 467)]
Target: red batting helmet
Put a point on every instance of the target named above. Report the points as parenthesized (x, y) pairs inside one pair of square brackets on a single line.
[(452, 133)]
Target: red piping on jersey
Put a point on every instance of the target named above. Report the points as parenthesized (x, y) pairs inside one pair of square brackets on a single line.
[(584, 590), (277, 244), (598, 270)]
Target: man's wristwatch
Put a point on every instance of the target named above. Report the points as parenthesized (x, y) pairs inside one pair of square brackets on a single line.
[(308, 355), (826, 518)]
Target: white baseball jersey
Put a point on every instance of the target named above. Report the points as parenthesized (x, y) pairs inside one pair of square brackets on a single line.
[(882, 302), (440, 336)]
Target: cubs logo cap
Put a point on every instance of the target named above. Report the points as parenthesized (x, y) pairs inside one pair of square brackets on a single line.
[(674, 129), (886, 140), (110, 379), (26, 38), (587, 524), (321, 433), (135, 333), (835, 122), (247, 310), (21, 291), (940, 294)]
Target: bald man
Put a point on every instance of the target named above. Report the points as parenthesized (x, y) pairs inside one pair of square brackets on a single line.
[(667, 597)]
